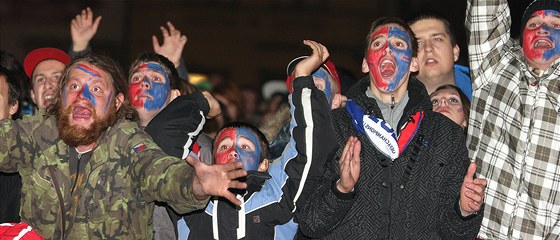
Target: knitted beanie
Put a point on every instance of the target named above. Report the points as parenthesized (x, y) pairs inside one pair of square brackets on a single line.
[(535, 6)]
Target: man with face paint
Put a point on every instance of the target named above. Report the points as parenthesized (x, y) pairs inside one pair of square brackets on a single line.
[(514, 123), (89, 171), (400, 169), (173, 121), (276, 188)]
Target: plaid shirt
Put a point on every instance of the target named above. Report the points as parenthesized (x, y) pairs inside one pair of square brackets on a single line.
[(514, 129)]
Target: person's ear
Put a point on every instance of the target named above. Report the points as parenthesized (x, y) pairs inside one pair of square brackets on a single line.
[(456, 51), (414, 64), (119, 100), (14, 108), (32, 95), (365, 66), (263, 167), (174, 94), (336, 101)]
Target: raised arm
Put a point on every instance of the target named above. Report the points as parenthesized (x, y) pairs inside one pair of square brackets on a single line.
[(488, 26), (172, 47), (312, 134), (82, 29)]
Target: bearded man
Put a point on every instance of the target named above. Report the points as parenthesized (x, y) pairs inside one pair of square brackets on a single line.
[(90, 172)]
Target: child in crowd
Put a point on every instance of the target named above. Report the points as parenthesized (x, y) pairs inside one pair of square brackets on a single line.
[(274, 188)]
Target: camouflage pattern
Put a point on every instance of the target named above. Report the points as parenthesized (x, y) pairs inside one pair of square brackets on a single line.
[(120, 183)]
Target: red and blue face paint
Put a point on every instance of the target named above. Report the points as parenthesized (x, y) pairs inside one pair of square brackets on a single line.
[(85, 91), (389, 57), (541, 35), (232, 145), (147, 92), (324, 76)]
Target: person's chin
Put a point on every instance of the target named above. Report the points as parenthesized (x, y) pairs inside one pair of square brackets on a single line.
[(81, 122)]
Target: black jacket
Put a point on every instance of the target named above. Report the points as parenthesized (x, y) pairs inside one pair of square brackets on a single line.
[(413, 197), (267, 212)]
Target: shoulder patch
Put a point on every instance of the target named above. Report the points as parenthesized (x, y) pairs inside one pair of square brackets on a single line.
[(139, 147)]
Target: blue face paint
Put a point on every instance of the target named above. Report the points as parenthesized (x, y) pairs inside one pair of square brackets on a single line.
[(250, 160), (324, 76), (535, 36), (229, 151), (88, 95), (159, 92), (401, 56), (377, 56)]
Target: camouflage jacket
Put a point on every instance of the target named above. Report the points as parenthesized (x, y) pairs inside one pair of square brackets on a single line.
[(127, 171)]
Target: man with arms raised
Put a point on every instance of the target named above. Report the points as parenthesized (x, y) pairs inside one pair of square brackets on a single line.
[(514, 124), (89, 172)]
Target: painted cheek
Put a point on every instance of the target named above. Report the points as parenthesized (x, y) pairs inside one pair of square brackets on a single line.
[(401, 56), (108, 101), (373, 57), (250, 160), (555, 38), (223, 157), (159, 93), (133, 92)]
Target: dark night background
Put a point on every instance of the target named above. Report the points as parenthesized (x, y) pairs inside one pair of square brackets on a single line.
[(247, 41)]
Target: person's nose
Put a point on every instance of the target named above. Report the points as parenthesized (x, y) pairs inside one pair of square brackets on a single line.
[(428, 46), (233, 155), (443, 102), (543, 30), (51, 83), (145, 85)]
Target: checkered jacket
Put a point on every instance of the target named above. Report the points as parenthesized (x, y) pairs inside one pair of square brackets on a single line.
[(514, 129)]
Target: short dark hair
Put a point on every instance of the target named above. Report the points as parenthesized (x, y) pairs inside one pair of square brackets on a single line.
[(263, 143), (106, 64), (428, 15), (14, 87), (168, 66), (393, 20)]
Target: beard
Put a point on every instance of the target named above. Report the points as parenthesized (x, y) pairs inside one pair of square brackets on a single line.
[(75, 136)]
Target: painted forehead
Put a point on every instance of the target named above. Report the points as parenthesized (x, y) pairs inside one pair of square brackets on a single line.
[(547, 12), (390, 30), (153, 66)]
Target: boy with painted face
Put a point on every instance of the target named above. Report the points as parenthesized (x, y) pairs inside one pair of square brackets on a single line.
[(275, 188), (399, 171), (514, 125)]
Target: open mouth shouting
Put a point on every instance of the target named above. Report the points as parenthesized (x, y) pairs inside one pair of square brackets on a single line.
[(543, 43), (81, 113), (387, 68)]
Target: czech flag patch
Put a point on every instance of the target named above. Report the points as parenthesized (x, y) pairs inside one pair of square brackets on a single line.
[(139, 147)]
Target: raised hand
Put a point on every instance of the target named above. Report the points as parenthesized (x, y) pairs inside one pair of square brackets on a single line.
[(472, 192), (306, 66), (349, 165), (214, 180), (173, 43), (82, 29)]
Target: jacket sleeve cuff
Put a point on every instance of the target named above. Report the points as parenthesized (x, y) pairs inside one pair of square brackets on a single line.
[(343, 196), (201, 102)]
